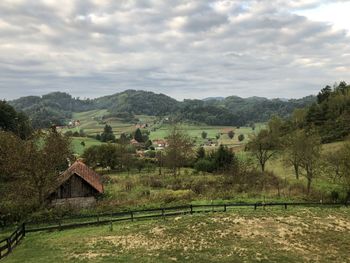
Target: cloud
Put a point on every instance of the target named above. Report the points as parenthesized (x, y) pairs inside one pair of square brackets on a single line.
[(187, 49)]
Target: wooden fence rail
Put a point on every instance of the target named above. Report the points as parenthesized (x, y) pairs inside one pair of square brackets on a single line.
[(105, 218), (9, 243)]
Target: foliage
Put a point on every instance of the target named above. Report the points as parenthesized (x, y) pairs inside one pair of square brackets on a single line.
[(219, 160), (241, 137), (13, 121), (330, 115), (32, 166), (179, 151), (55, 108), (51, 109), (138, 135), (107, 135), (109, 156), (310, 156), (231, 134), (263, 147)]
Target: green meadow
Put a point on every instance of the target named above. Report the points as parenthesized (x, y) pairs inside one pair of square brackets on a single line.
[(244, 235)]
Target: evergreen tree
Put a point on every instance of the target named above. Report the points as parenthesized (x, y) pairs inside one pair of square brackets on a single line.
[(138, 135), (107, 135)]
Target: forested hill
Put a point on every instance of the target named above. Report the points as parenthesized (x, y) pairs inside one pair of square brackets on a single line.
[(57, 107), (53, 108), (330, 114)]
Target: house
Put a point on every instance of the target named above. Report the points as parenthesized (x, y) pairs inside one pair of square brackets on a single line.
[(78, 186), (134, 142), (160, 144)]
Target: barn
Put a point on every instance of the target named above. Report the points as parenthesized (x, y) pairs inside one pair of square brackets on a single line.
[(78, 186)]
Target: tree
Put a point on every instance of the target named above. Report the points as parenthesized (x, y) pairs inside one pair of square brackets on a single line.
[(140, 164), (293, 145), (204, 165), (107, 135), (91, 156), (231, 134), (204, 134), (240, 137), (310, 156), (44, 157), (123, 139), (10, 157), (343, 167), (324, 94), (222, 158), (179, 150), (217, 136), (200, 153), (13, 121), (138, 135), (148, 144), (263, 147)]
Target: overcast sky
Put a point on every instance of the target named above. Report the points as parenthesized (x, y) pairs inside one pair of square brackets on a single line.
[(182, 48)]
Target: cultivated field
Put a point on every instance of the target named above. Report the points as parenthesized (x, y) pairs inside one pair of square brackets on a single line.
[(244, 235)]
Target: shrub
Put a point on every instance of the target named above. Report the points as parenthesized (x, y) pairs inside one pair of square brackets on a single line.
[(204, 165)]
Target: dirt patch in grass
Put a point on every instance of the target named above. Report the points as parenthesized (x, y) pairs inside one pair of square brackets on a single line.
[(250, 238)]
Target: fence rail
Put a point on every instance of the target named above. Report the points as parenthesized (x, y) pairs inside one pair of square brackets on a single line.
[(9, 243), (105, 218)]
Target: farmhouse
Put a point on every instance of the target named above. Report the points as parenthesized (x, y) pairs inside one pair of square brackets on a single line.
[(77, 186)]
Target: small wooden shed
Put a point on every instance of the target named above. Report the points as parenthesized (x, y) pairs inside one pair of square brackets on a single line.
[(78, 186)]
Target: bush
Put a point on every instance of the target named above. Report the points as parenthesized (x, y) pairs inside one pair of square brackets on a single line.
[(169, 196), (240, 137), (204, 165)]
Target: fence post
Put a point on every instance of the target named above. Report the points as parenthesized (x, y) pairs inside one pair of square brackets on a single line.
[(224, 207), (285, 206), (132, 216), (98, 218), (9, 247), (24, 229), (163, 214), (191, 207), (255, 206)]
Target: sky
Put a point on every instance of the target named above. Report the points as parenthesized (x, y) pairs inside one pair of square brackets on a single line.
[(182, 48)]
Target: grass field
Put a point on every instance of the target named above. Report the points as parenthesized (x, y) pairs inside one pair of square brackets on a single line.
[(244, 235)]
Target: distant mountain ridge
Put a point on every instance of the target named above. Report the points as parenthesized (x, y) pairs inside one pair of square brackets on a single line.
[(57, 107)]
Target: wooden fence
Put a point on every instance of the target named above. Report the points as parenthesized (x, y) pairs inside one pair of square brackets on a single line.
[(106, 218), (9, 243)]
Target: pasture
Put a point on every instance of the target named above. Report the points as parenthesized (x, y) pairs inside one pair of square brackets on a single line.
[(243, 235)]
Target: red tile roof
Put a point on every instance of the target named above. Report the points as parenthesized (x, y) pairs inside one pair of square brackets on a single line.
[(83, 171)]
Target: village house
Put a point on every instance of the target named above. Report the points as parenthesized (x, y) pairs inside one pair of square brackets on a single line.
[(160, 144), (78, 186), (135, 143)]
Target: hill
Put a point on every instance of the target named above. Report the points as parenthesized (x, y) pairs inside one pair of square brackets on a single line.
[(53, 108), (57, 108)]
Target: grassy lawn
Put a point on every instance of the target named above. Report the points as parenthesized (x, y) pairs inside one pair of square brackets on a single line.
[(78, 148), (244, 235)]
